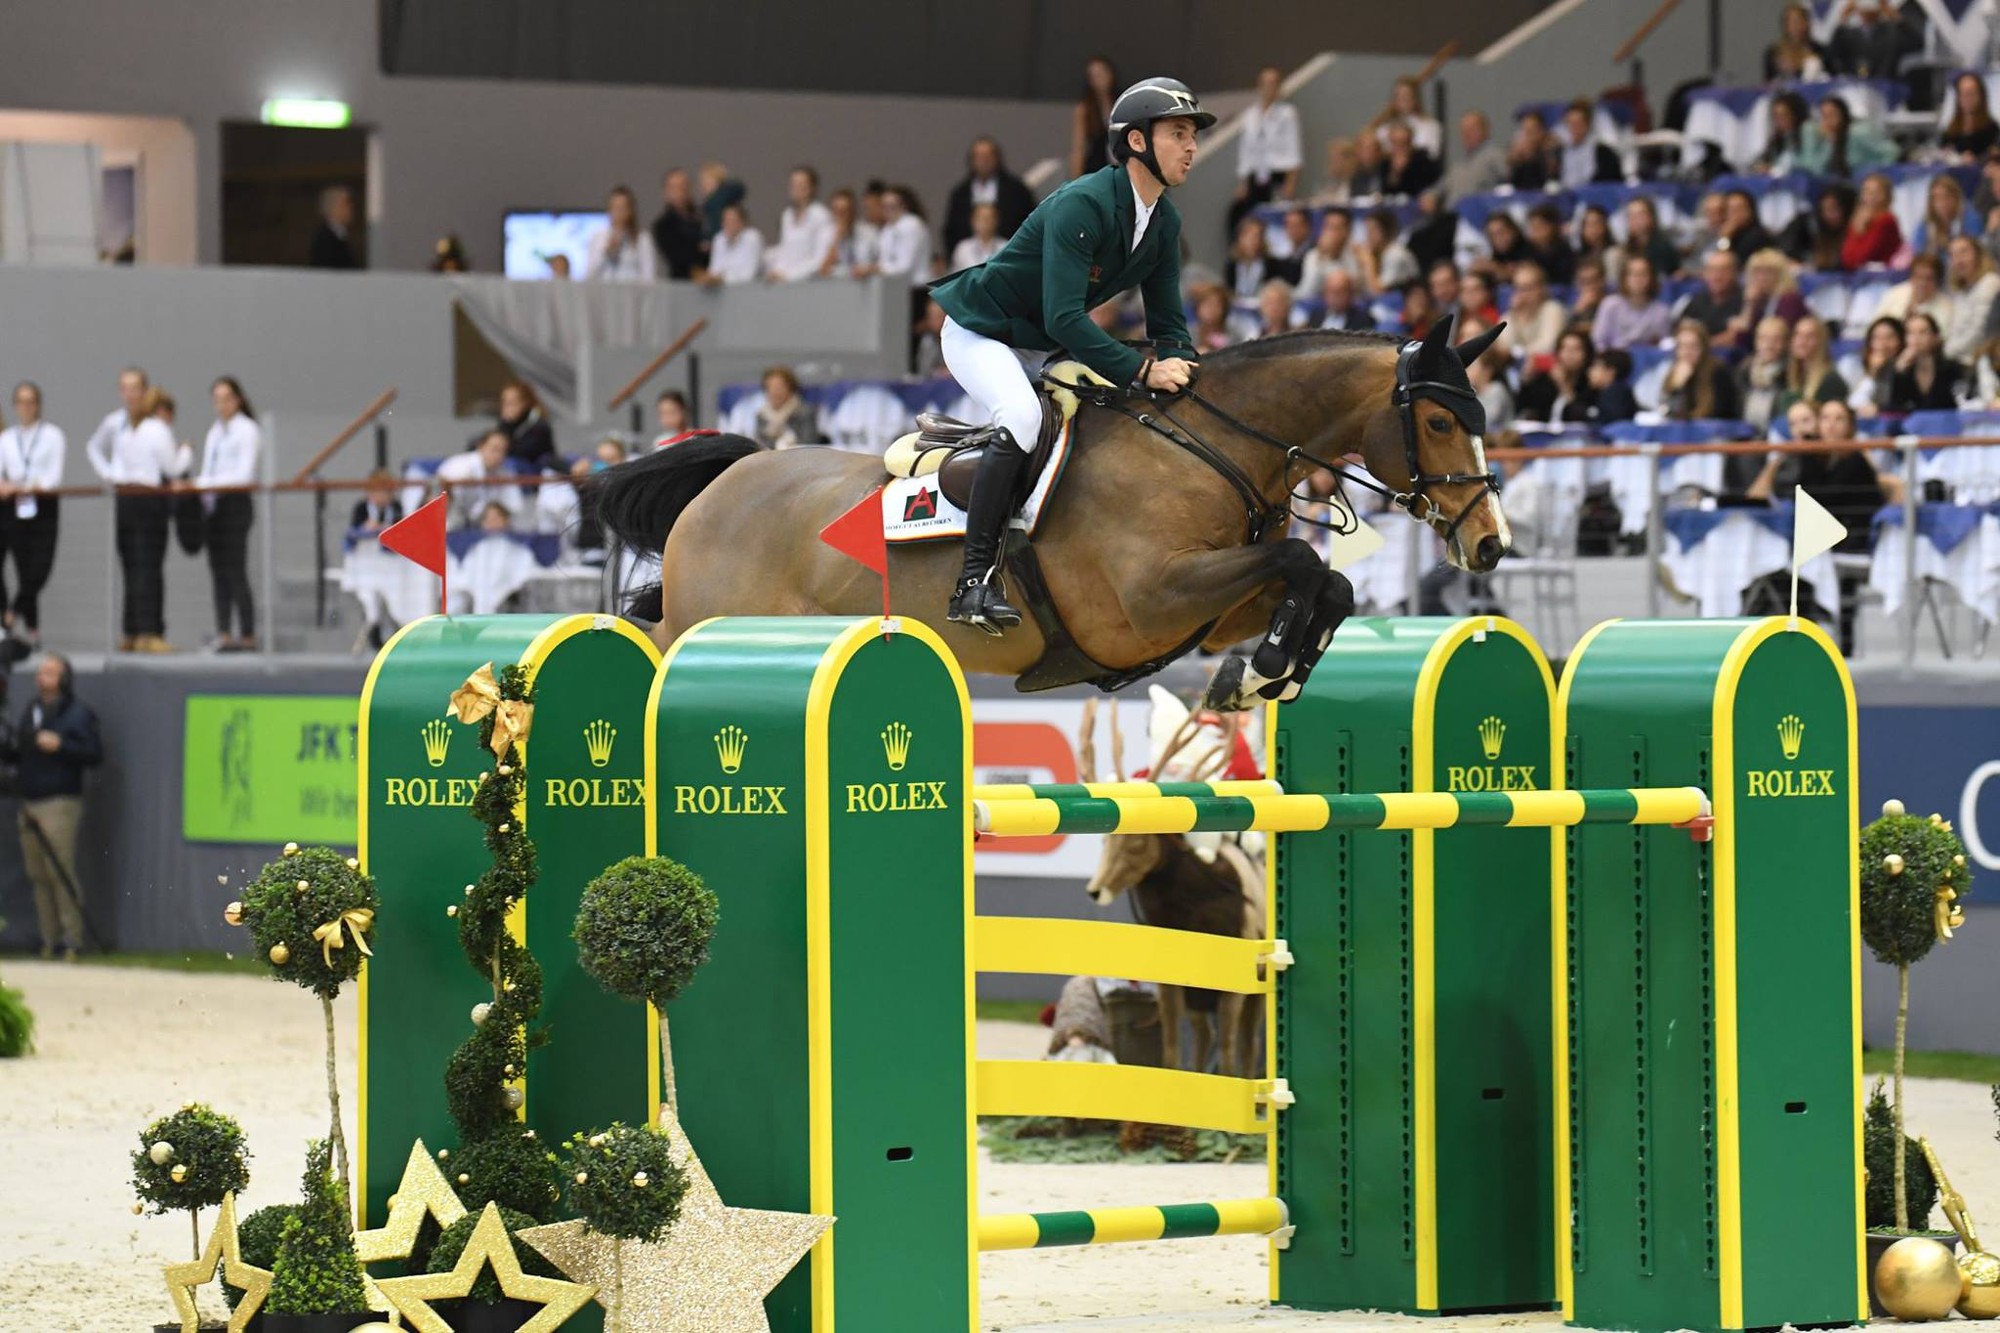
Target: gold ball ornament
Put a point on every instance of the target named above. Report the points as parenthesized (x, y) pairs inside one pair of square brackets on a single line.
[(354, 863), (444, 1154), (1917, 1279), (1958, 860), (179, 1173), (280, 954), (483, 775), (161, 1153), (506, 770), (479, 1013), (291, 849), (1893, 809), (451, 910), (304, 885), (597, 1140), (640, 1180), (583, 1177), (138, 1209), (512, 1097), (1893, 863), (464, 1179), (233, 914), (1981, 1297), (506, 828)]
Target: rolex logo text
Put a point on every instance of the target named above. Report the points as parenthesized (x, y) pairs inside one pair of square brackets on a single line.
[(891, 797), (597, 739), (429, 791), (714, 800), (578, 792), (437, 740), (1490, 776)]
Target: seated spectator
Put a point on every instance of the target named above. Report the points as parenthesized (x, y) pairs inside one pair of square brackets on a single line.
[(1419, 310), (718, 190), (1548, 246), (1406, 108), (1697, 387), (928, 359), (1809, 372), (1742, 231), (905, 242), (1945, 216), (1338, 186), (1562, 392), (530, 442), (1433, 234), (983, 243), (1986, 376), (1644, 235), (1769, 288), (1488, 381), (622, 252), (1593, 237), (1211, 331), (1610, 379), (671, 419), (1817, 238), (1386, 263), (1720, 299), (1971, 131), (1274, 309), (1704, 230), (1407, 170), (805, 231), (1534, 318), (1583, 159), (1475, 299), (1635, 314), (1795, 55), (1835, 146), (1288, 252), (496, 517), (853, 250), (1506, 243), (1873, 37), (1760, 376), (1248, 266), (1926, 379), (735, 253), (1481, 165), (1528, 156), (473, 480), (987, 181), (1442, 281), (679, 237), (1333, 250), (1589, 292), (785, 419), (1344, 307), (1369, 156), (1268, 151), (1789, 114), (1971, 284), (1881, 354), (1986, 197), (378, 506), (1922, 291)]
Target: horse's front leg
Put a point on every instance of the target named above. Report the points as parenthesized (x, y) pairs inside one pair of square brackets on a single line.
[(1207, 585)]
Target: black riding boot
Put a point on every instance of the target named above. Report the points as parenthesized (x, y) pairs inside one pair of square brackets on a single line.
[(978, 598)]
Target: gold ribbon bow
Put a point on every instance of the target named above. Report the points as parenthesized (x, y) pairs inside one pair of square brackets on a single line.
[(480, 695), (511, 721), (1946, 914), (357, 920)]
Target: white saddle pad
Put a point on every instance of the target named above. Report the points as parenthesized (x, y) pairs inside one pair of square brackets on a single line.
[(916, 509)]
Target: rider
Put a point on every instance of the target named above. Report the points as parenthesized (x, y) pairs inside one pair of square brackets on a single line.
[(1092, 240)]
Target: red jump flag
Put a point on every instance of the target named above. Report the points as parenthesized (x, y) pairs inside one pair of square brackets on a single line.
[(857, 534), (420, 537)]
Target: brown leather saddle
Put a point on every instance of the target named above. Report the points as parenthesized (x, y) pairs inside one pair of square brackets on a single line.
[(951, 449)]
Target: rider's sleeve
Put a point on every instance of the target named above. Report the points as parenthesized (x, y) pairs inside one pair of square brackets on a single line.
[(1066, 259), (1166, 322)]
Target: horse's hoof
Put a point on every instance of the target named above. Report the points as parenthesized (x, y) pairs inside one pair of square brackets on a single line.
[(1225, 687)]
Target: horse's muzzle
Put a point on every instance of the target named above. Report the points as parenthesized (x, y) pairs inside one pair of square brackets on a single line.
[(1486, 554)]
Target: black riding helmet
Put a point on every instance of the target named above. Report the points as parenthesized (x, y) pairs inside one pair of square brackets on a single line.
[(1145, 102)]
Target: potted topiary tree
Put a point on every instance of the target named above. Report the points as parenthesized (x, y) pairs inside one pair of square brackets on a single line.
[(316, 1282), (1920, 1190), (642, 930), (17, 1025), (486, 1309), (623, 1184), (186, 1162), (257, 1238)]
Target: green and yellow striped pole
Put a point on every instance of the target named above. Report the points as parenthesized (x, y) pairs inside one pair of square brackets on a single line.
[(1040, 816), (1058, 791), (1112, 1226)]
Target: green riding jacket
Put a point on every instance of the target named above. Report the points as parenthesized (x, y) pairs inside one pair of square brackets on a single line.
[(1070, 256)]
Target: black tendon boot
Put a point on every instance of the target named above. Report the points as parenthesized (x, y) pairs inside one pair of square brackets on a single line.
[(978, 600)]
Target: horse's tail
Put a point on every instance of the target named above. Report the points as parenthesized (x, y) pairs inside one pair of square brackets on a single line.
[(640, 500)]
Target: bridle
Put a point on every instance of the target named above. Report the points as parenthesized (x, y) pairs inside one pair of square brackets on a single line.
[(1463, 404)]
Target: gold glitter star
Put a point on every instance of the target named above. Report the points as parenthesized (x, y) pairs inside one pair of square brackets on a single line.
[(182, 1279), (423, 1191), (489, 1244), (708, 1274)]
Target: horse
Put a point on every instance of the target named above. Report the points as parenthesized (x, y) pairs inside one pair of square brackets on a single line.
[(1168, 530)]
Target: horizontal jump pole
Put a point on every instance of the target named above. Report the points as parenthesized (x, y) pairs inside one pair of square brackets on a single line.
[(1125, 1092), (1040, 817), (1113, 1226), (1028, 791), (1065, 948)]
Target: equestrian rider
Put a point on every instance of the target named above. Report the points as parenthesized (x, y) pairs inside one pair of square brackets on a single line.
[(1092, 240)]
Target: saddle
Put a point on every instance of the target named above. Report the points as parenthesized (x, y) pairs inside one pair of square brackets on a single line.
[(950, 449)]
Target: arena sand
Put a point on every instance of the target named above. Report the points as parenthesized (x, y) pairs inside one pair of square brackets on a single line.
[(118, 1047)]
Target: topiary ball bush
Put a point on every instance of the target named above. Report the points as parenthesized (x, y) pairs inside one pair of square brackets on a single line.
[(1878, 1154), (643, 928), (209, 1144), (511, 1170), (623, 1181), (1898, 910), (17, 1025), (486, 1288), (282, 916), (257, 1238)]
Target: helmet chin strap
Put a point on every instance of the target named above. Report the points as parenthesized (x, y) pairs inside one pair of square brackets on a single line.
[(1149, 160)]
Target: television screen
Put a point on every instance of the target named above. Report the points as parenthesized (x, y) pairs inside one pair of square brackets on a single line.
[(531, 241)]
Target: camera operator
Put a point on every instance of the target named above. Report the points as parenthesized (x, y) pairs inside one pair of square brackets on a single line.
[(54, 742)]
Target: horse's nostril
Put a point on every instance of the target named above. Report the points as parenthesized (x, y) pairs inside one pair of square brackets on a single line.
[(1489, 552)]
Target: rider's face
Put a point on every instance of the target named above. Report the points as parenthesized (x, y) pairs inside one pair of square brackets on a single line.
[(1174, 147)]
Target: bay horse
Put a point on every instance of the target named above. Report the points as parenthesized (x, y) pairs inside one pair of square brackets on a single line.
[(1168, 531)]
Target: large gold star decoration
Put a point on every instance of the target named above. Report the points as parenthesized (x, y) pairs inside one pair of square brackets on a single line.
[(422, 1192), (254, 1283), (708, 1274), (489, 1244)]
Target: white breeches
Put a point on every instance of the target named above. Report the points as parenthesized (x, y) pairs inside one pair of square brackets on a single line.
[(998, 378)]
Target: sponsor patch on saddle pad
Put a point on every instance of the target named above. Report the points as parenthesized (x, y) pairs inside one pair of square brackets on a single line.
[(916, 509)]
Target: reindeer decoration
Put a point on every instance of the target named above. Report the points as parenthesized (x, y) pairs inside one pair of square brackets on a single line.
[(1174, 887)]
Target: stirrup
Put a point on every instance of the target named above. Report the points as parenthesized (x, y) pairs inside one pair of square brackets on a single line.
[(979, 602)]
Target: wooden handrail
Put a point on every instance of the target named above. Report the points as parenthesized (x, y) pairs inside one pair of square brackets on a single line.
[(674, 349), (354, 428), (1638, 39), (1437, 61), (1896, 442)]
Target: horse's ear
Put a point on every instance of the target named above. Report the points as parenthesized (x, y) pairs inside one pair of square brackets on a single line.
[(1475, 347), (1437, 340)]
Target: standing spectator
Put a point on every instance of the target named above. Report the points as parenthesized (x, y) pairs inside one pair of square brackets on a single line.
[(983, 242), (929, 356), (719, 190), (1768, 289), (333, 240), (785, 419), (1610, 378), (671, 419), (853, 252), (1386, 263), (1835, 146), (805, 231), (1923, 291), (1926, 379), (1743, 233), (1971, 131), (1338, 187), (1406, 107), (1809, 372), (1589, 292), (1407, 170), (621, 252), (31, 459), (1211, 332), (1247, 267), (735, 254), (1644, 235), (1528, 156), (1817, 238), (1635, 315), (1505, 243), (1872, 39), (530, 442), (1697, 388), (1971, 284), (449, 256), (1090, 121), (906, 238), (1481, 165), (1534, 318), (1548, 246), (987, 181), (229, 458), (1274, 309), (131, 447), (1344, 309), (1789, 114), (1945, 216), (56, 740), (1563, 392), (1881, 354), (1760, 377), (1720, 299), (1334, 250), (1795, 55), (1268, 153), (474, 480), (1584, 160), (679, 235)]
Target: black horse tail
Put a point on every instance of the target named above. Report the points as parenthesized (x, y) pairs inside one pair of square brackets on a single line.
[(640, 500)]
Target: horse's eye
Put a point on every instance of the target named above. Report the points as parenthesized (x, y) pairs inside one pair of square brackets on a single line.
[(1440, 423)]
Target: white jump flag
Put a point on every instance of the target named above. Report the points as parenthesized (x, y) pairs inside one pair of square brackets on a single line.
[(1344, 550), (1814, 532)]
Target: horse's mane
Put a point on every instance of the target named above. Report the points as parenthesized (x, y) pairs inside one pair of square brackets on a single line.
[(1281, 344)]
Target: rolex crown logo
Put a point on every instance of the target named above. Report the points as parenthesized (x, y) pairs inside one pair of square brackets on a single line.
[(896, 746), (1492, 734), (729, 746), (597, 739), (437, 739), (1791, 733)]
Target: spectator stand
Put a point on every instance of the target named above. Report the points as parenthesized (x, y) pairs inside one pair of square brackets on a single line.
[(1738, 120), (859, 415)]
